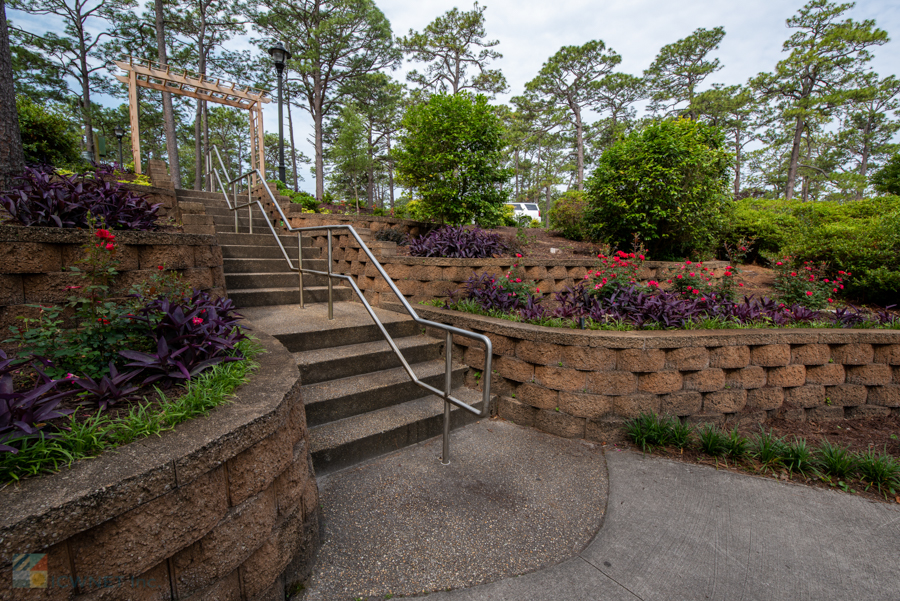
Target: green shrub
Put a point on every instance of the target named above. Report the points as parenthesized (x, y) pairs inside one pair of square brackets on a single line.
[(857, 236), (887, 179), (567, 215), (47, 136), (667, 183)]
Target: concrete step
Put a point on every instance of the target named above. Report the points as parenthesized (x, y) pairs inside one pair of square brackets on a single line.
[(344, 443), (237, 251), (263, 297), (277, 265), (309, 328), (227, 221), (339, 399), (254, 281), (321, 365), (186, 194), (258, 239)]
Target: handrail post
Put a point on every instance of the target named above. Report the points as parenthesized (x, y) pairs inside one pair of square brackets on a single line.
[(448, 382), (300, 264), (330, 288)]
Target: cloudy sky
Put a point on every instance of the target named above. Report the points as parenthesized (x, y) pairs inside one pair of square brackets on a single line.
[(529, 31)]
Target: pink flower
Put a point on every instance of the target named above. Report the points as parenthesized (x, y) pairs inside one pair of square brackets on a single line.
[(741, 284), (537, 290), (160, 267), (196, 321), (70, 376), (641, 257), (826, 280), (518, 255), (696, 291), (830, 300), (778, 263), (809, 293), (110, 246), (692, 274)]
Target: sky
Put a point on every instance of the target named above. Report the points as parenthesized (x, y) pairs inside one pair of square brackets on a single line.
[(530, 31)]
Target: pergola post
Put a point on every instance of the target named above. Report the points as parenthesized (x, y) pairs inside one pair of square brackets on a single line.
[(135, 124)]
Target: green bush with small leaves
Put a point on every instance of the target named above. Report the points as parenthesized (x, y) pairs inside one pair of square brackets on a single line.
[(47, 136), (567, 215)]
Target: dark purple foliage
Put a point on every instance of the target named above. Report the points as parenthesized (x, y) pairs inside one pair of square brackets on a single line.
[(110, 389), (43, 198), (457, 243), (484, 290), (23, 412), (190, 336)]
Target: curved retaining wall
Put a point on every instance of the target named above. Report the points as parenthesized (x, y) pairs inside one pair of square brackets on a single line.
[(223, 507), (586, 383)]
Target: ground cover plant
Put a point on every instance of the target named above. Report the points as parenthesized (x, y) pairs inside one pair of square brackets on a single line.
[(102, 354), (42, 197), (457, 242), (826, 463), (611, 297)]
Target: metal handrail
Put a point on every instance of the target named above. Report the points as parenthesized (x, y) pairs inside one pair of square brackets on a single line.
[(450, 330)]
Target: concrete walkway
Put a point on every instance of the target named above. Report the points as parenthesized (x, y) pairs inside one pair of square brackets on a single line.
[(675, 531)]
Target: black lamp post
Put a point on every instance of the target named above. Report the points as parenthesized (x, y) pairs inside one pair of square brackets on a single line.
[(280, 55), (120, 133)]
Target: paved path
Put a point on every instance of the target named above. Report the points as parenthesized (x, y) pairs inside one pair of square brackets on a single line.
[(675, 531), (671, 531), (511, 501)]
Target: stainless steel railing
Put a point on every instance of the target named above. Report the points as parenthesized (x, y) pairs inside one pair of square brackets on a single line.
[(444, 394)]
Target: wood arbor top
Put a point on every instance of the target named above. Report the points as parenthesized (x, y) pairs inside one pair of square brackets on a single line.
[(156, 76), (145, 73)]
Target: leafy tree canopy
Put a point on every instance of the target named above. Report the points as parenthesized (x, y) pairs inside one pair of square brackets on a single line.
[(451, 152), (667, 183)]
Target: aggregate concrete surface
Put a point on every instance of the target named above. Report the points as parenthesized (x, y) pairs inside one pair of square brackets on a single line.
[(511, 501), (676, 531)]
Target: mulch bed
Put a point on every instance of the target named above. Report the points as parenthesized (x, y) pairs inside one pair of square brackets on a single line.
[(882, 434)]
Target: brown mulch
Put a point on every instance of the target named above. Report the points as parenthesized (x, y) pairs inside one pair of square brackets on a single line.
[(881, 434)]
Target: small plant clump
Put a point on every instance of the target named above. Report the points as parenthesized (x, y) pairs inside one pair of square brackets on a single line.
[(764, 452), (457, 243)]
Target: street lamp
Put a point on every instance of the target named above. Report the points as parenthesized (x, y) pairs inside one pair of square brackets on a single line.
[(120, 133), (280, 55)]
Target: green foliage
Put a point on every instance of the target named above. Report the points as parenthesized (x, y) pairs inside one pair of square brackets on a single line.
[(879, 469), (807, 284), (47, 135), (887, 179), (768, 449), (567, 215), (798, 457), (713, 441), (648, 430), (90, 437), (681, 67), (666, 183), (307, 200), (835, 460), (451, 152), (861, 237)]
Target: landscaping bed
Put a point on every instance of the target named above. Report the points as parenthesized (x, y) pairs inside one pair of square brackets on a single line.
[(873, 438)]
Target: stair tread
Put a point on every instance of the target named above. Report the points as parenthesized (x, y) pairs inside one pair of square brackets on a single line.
[(332, 389), (362, 349), (281, 320), (357, 427)]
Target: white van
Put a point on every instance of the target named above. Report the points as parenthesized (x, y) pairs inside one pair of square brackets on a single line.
[(529, 209)]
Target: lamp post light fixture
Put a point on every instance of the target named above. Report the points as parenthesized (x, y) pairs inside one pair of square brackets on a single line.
[(120, 133), (280, 56)]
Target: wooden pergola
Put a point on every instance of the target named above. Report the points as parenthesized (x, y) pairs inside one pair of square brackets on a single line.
[(156, 76)]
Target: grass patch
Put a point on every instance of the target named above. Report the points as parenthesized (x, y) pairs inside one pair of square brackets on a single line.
[(89, 437)]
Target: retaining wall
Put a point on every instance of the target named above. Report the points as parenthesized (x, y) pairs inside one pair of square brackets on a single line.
[(585, 384), (425, 278), (35, 262), (224, 507)]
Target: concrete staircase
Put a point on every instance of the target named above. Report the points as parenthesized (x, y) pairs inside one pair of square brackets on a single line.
[(360, 402)]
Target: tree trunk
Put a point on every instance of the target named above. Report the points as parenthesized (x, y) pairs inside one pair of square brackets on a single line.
[(198, 150), (168, 111), (546, 215), (291, 134), (737, 162), (208, 184), (12, 159), (390, 170), (864, 163), (795, 157), (316, 106), (86, 108), (370, 172), (579, 148), (517, 174)]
